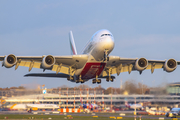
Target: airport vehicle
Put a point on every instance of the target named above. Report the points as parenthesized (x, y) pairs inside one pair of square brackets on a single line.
[(173, 113), (93, 63)]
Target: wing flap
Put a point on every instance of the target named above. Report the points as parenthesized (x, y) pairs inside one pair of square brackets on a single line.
[(115, 61), (27, 64), (157, 66), (63, 69), (114, 71)]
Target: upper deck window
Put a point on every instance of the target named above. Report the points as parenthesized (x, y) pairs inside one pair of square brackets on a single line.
[(106, 35)]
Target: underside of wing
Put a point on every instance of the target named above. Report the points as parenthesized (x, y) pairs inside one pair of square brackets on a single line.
[(63, 64), (116, 65)]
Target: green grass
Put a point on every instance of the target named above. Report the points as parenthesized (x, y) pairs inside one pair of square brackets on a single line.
[(62, 117), (54, 117)]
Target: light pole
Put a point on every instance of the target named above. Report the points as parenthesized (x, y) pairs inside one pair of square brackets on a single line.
[(142, 87)]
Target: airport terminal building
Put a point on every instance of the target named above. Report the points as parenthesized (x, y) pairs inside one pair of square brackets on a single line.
[(103, 100), (75, 97)]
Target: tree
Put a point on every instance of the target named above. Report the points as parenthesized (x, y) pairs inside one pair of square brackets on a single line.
[(21, 87), (130, 86), (108, 90)]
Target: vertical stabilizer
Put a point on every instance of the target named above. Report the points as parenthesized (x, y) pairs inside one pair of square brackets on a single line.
[(72, 44)]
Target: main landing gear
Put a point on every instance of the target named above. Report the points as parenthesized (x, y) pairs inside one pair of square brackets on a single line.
[(96, 80), (110, 78), (80, 80), (70, 78)]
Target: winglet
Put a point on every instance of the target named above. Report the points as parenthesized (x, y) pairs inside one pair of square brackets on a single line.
[(72, 44)]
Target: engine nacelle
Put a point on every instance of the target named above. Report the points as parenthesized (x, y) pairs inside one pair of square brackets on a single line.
[(9, 61), (141, 64), (170, 65), (48, 61)]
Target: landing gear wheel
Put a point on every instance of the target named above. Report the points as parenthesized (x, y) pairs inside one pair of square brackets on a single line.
[(112, 79), (99, 81), (107, 79), (70, 78), (107, 58), (93, 81)]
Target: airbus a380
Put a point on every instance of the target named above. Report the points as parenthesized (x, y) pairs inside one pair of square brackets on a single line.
[(93, 63)]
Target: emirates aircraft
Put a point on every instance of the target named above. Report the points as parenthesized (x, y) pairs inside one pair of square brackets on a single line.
[(93, 63)]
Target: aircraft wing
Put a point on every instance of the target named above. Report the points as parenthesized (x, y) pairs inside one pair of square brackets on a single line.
[(116, 65), (63, 64)]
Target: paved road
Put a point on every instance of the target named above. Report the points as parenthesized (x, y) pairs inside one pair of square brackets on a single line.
[(84, 114)]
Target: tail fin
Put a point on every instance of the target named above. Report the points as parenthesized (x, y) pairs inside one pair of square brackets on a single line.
[(72, 44), (126, 104)]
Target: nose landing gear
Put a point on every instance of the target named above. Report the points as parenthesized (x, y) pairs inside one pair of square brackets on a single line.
[(106, 58)]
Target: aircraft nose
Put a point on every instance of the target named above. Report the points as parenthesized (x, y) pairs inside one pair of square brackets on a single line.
[(108, 43)]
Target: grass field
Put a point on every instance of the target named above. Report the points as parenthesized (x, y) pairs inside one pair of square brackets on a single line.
[(62, 117)]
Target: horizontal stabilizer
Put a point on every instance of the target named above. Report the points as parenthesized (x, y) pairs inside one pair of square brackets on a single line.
[(59, 75)]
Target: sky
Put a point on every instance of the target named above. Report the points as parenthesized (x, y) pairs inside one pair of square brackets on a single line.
[(141, 28)]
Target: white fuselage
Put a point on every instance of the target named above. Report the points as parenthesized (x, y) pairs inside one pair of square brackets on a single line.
[(101, 42), (136, 106), (39, 106)]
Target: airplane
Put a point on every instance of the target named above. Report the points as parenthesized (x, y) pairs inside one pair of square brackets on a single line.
[(93, 63), (32, 106), (134, 106)]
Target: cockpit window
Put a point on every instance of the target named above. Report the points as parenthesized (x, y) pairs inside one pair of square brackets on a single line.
[(106, 35)]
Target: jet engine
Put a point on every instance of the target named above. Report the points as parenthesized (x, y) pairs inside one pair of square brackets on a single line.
[(48, 61), (141, 64), (9, 61), (170, 65)]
